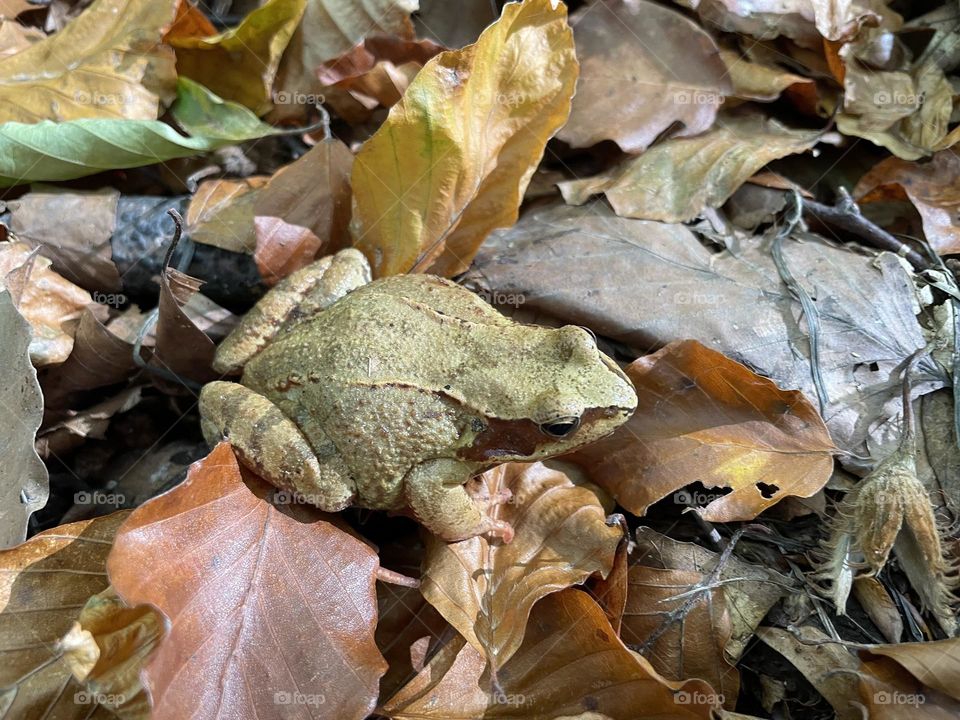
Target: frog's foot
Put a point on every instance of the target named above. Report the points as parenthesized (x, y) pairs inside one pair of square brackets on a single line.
[(479, 492), (271, 445), (300, 295)]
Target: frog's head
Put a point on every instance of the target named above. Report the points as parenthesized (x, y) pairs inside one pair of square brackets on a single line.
[(564, 393)]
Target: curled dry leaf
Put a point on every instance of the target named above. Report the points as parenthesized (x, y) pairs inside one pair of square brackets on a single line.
[(44, 585), (107, 63), (23, 477), (936, 664), (704, 417), (251, 606), (49, 302), (570, 664), (676, 180), (931, 186), (486, 590), (328, 29), (757, 81), (675, 75), (221, 213), (182, 347), (240, 64), (453, 158)]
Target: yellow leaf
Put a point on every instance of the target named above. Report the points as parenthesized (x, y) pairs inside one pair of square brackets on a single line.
[(241, 63), (452, 160), (107, 63)]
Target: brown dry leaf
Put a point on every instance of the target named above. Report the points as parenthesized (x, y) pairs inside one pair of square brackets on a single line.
[(182, 348), (706, 638), (802, 20), (879, 606), (123, 638), (73, 229), (221, 213), (704, 417), (757, 81), (645, 284), (936, 664), (828, 666), (931, 186), (675, 75), (108, 62), (23, 477), (889, 693), (257, 590), (43, 587), (304, 211), (571, 664), (486, 590), (329, 29), (15, 37), (240, 64), (454, 157), (72, 431), (676, 180), (49, 302), (98, 358), (189, 22), (9, 9), (374, 74)]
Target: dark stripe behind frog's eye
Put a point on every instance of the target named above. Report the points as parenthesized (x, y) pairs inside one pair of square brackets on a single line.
[(560, 428)]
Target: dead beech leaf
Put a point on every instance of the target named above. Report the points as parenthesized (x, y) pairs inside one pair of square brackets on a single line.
[(240, 64), (704, 417), (123, 637), (182, 347), (73, 229), (374, 74), (675, 180), (931, 186), (676, 75), (328, 29), (453, 158), (106, 63), (251, 604), (936, 664), (304, 211), (756, 81), (43, 587), (571, 662), (486, 590), (888, 693), (24, 484), (49, 302), (221, 213)]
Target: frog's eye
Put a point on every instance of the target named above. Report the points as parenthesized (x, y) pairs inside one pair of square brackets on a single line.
[(561, 427)]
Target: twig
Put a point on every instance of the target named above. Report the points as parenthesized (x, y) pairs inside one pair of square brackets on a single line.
[(846, 215)]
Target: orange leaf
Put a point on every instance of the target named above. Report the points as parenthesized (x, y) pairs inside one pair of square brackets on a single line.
[(264, 609), (704, 417)]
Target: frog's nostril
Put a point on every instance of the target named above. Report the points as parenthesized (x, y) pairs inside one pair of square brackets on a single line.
[(560, 428)]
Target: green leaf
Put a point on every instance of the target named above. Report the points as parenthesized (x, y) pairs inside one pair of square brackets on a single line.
[(50, 151)]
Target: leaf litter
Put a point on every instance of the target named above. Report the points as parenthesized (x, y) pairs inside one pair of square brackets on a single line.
[(751, 206)]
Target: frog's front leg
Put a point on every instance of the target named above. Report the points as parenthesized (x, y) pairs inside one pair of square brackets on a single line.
[(300, 295), (271, 445), (436, 495)]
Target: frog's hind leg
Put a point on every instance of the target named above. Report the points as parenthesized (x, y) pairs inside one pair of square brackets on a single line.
[(436, 495), (300, 295), (271, 445)]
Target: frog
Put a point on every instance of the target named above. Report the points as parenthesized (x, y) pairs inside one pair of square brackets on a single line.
[(396, 393)]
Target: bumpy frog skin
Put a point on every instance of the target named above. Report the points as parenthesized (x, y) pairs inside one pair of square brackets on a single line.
[(393, 394)]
